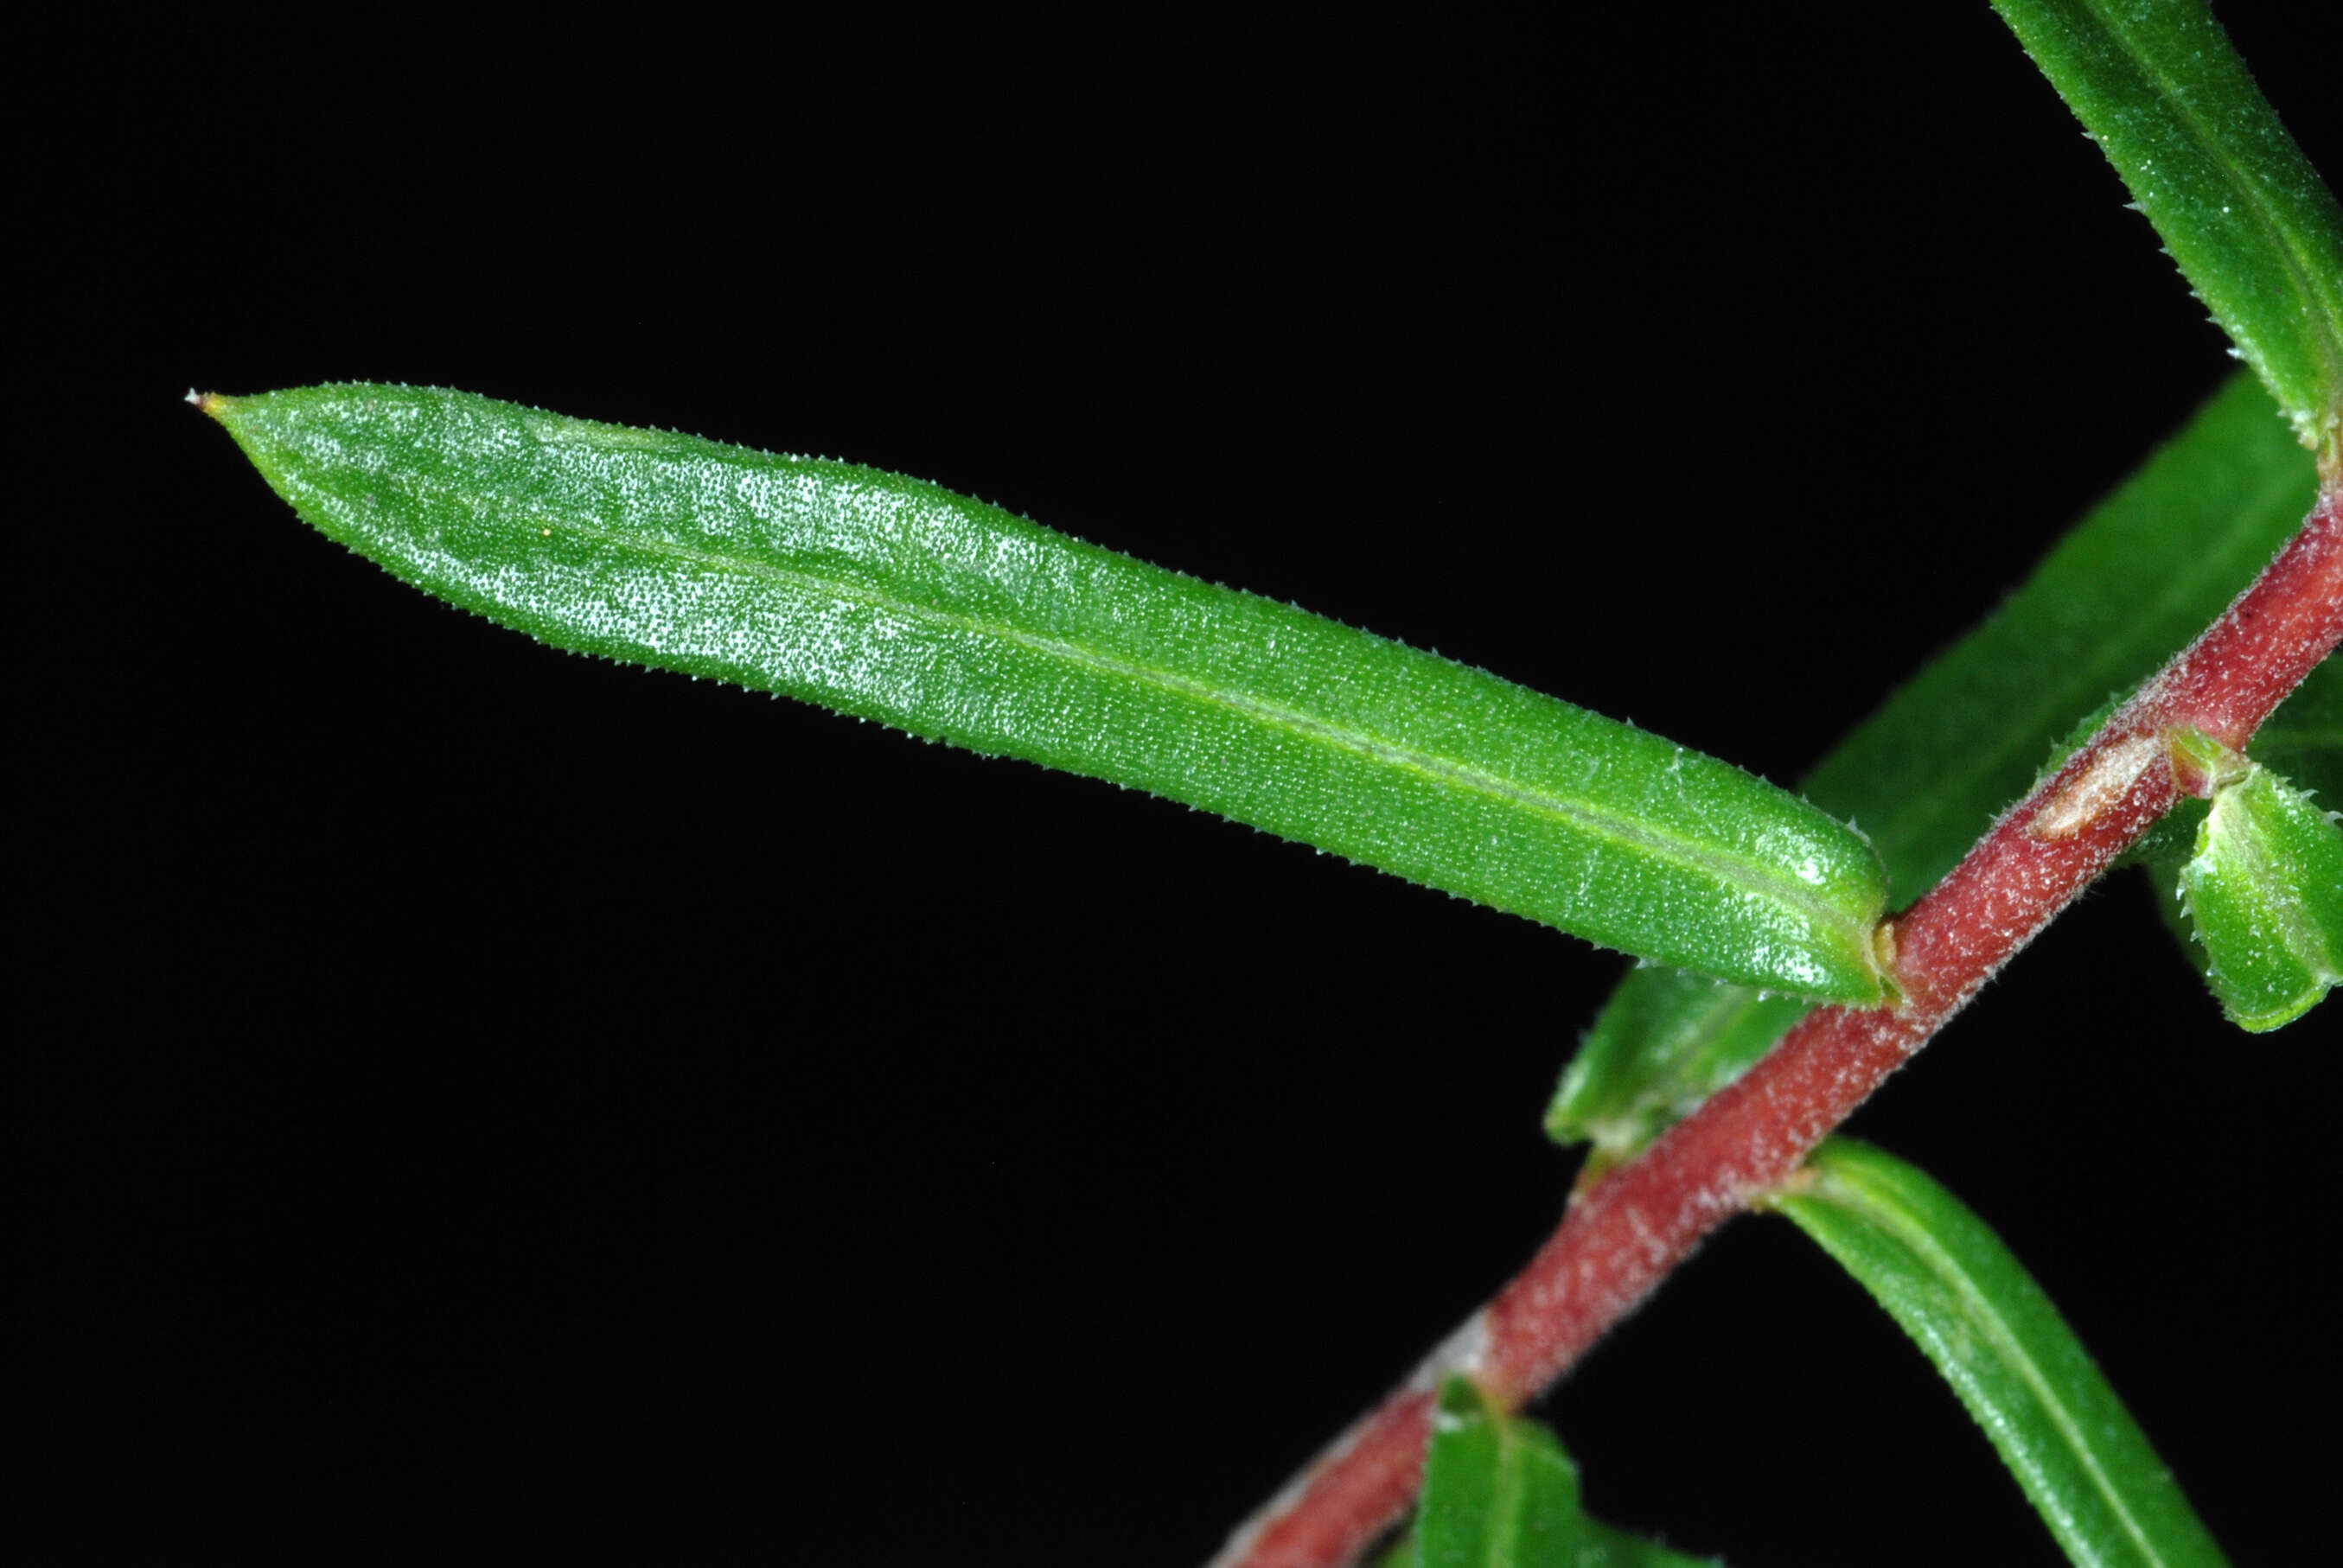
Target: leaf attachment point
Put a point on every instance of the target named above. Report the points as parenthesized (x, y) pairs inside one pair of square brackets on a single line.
[(1925, 775)]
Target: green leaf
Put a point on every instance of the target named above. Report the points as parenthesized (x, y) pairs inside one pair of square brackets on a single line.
[(1500, 1493), (1927, 774), (2158, 86), (2264, 892), (1666, 1041), (1969, 1304), (2302, 742), (1497, 1492), (893, 599)]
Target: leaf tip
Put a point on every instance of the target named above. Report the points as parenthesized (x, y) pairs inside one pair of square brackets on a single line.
[(214, 404)]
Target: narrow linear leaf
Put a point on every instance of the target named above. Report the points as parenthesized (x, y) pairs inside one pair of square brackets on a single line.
[(2159, 88), (1969, 1304), (1667, 1041), (2264, 892), (896, 600), (1500, 1493), (1497, 1492), (1927, 774)]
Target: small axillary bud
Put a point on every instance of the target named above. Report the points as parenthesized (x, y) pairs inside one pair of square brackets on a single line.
[(1882, 950), (2200, 764)]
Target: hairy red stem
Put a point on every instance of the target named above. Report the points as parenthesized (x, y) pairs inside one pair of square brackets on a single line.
[(1621, 1237)]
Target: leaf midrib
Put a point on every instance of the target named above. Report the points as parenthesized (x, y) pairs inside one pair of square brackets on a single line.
[(1582, 814), (1978, 1308), (1736, 871)]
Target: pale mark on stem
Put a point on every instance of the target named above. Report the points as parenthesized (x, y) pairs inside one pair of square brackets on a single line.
[(2096, 790)]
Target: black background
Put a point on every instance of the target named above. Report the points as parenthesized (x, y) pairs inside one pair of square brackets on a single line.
[(447, 1070)]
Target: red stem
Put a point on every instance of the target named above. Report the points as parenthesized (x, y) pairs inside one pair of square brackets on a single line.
[(1621, 1238)]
